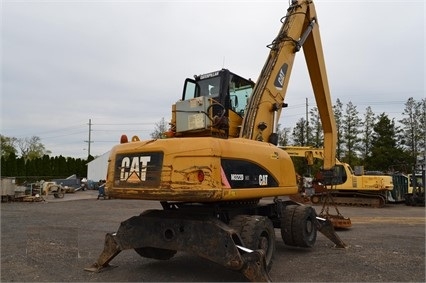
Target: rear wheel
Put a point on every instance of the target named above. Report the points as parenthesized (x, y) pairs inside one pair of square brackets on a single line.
[(298, 226), (257, 232), (155, 253)]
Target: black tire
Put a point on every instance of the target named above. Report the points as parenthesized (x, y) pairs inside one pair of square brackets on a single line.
[(298, 226), (59, 193), (287, 224), (155, 253), (257, 232)]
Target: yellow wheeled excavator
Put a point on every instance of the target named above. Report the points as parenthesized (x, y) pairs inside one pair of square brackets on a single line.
[(220, 178)]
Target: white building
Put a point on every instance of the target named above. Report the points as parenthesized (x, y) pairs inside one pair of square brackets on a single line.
[(97, 168)]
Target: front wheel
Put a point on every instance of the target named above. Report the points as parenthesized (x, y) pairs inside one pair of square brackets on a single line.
[(257, 232)]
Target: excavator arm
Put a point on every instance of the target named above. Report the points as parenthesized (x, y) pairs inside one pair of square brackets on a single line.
[(299, 30)]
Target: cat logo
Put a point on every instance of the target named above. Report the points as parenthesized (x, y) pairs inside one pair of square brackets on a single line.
[(279, 80), (133, 169), (263, 180)]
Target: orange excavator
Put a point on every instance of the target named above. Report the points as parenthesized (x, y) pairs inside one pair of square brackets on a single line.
[(220, 178)]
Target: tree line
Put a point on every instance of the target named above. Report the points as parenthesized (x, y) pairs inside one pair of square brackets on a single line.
[(373, 141), (376, 142), (27, 160)]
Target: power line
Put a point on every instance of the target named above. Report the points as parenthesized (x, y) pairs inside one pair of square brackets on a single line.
[(121, 130), (64, 135), (124, 124)]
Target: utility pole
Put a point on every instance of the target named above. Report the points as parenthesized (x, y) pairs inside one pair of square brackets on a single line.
[(90, 140)]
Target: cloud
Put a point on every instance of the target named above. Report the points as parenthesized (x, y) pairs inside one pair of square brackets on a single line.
[(122, 64)]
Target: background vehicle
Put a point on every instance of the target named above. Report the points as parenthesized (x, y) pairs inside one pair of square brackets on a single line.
[(220, 161), (415, 195), (349, 188), (408, 188)]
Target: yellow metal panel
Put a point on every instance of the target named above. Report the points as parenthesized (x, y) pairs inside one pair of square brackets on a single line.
[(185, 157)]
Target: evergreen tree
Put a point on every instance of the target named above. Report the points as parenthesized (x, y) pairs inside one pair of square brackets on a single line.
[(316, 130), (45, 167), (82, 167), (413, 129), (71, 166), (10, 166), (385, 150), (299, 133), (90, 158), (61, 167), (31, 169), (367, 124), (351, 124), (338, 116), (3, 167), (20, 168)]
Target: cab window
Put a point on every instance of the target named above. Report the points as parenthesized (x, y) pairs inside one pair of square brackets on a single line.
[(206, 87), (239, 92)]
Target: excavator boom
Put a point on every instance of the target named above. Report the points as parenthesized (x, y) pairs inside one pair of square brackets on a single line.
[(300, 30)]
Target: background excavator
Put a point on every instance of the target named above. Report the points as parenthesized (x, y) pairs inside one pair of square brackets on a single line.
[(220, 178), (348, 188)]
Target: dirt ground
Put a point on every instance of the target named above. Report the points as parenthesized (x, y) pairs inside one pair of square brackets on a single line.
[(53, 241)]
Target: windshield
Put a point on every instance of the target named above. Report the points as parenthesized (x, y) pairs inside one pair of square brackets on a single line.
[(207, 85), (239, 90), (210, 86)]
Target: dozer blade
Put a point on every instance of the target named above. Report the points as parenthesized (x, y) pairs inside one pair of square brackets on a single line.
[(325, 226)]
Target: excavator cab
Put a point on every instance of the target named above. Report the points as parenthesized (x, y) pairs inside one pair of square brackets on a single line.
[(212, 104)]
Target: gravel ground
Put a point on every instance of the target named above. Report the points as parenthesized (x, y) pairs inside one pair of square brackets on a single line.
[(53, 241)]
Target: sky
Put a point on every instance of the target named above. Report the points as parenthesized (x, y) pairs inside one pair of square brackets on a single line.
[(122, 64)]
